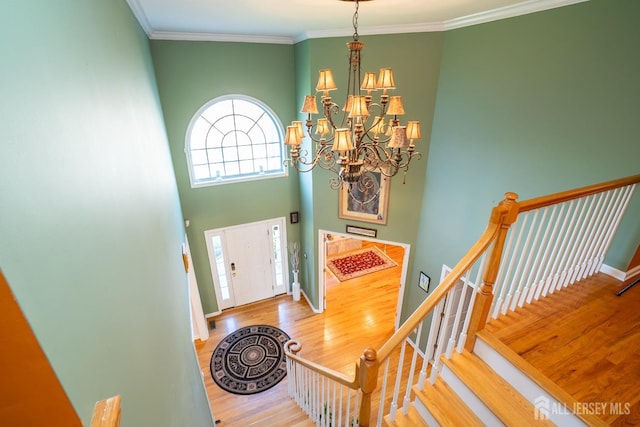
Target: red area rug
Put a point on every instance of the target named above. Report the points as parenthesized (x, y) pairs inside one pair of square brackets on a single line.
[(358, 263)]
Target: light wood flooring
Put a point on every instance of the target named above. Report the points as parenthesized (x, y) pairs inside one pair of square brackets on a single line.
[(360, 313), (587, 340)]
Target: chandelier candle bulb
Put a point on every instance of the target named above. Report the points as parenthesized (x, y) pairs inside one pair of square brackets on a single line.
[(395, 106), (299, 129), (322, 128), (385, 80), (398, 137), (342, 141), (369, 83), (325, 82), (348, 104), (292, 137), (378, 126), (359, 107), (309, 105), (413, 131)]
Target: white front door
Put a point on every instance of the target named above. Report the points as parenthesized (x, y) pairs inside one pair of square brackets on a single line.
[(248, 262)]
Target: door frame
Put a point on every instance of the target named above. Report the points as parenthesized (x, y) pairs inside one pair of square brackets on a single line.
[(322, 259), (208, 234)]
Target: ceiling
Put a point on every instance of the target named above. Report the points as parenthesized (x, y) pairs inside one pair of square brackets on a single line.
[(290, 21)]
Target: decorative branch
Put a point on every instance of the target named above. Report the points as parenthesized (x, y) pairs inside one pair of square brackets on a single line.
[(294, 254)]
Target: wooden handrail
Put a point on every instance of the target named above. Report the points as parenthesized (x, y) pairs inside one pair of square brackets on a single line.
[(501, 219), (443, 288), (107, 413), (564, 196), (292, 347)]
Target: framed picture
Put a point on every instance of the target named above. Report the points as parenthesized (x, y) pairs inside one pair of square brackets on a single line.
[(361, 231), (294, 217), (366, 201), (424, 282)]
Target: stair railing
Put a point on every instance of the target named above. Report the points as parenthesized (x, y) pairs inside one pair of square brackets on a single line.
[(557, 240)]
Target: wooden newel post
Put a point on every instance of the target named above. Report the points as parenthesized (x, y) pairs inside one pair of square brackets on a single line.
[(368, 373), (502, 215)]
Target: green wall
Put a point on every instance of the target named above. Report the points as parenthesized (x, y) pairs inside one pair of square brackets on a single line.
[(189, 75), (415, 67), (90, 223), (536, 104)]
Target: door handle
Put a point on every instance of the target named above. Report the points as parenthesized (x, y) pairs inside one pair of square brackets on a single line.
[(233, 266)]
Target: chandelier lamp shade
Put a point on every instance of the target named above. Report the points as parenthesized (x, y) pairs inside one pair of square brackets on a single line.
[(363, 134)]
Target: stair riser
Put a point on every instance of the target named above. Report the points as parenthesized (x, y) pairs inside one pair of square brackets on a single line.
[(469, 397), (525, 386), (425, 414)]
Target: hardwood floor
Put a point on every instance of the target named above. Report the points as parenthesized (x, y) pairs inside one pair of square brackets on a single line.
[(360, 313), (587, 340)]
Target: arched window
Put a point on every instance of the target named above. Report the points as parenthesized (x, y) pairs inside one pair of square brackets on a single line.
[(234, 138)]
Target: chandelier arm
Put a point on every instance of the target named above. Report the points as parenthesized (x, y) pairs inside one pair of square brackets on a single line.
[(329, 110), (323, 158), (323, 153), (376, 152)]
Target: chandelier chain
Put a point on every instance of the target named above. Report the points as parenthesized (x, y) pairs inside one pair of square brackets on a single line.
[(355, 22)]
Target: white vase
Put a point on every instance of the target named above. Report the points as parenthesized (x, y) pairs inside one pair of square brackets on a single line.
[(295, 288)]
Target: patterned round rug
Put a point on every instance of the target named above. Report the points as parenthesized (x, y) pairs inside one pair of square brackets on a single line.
[(250, 360)]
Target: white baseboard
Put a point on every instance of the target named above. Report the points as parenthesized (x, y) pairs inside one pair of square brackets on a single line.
[(633, 272), (613, 272), (313, 308)]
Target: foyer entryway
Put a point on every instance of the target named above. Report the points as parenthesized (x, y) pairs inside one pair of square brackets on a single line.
[(333, 244), (248, 262)]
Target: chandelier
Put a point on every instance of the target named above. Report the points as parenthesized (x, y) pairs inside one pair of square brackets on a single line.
[(368, 137)]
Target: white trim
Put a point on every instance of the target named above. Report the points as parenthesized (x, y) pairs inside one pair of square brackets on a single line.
[(633, 272), (313, 308), (199, 328), (208, 234), (241, 178), (141, 17), (204, 387), (322, 262), (212, 315), (613, 272), (519, 9), (425, 27), (212, 37)]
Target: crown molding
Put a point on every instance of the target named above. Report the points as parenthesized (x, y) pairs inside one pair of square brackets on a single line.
[(519, 9), (141, 17), (427, 27), (211, 37), (524, 8)]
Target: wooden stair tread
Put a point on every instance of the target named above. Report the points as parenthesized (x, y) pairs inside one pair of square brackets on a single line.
[(412, 419), (536, 376), (446, 406), (499, 396), (305, 423)]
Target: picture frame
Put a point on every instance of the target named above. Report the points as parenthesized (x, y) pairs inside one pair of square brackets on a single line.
[(359, 205), (424, 281), (362, 231)]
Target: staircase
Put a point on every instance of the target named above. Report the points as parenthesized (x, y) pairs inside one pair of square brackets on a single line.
[(459, 373), (478, 388), (492, 384)]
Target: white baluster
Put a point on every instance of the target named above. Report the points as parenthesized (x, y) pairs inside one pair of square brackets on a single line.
[(383, 390)]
